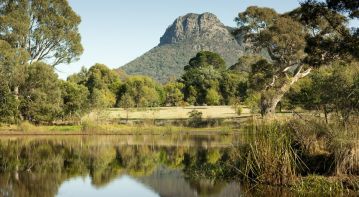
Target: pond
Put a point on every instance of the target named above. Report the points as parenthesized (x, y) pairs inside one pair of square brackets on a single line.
[(144, 165)]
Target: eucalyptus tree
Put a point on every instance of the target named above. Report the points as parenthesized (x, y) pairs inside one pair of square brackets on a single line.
[(36, 31), (290, 44), (12, 74), (46, 29)]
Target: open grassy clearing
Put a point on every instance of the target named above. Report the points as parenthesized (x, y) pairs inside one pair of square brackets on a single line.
[(171, 112)]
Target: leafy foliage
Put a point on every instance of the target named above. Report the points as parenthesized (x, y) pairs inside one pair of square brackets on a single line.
[(330, 39), (142, 91), (296, 43), (47, 30), (8, 104), (174, 95), (195, 118), (75, 99), (207, 81), (331, 89), (41, 96)]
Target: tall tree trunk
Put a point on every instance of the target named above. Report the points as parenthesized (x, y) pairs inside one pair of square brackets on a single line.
[(272, 96), (325, 113), (269, 104), (16, 94)]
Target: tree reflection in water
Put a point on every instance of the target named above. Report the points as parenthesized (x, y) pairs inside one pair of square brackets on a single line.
[(168, 165)]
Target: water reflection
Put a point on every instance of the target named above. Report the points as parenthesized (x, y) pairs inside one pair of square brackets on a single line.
[(118, 166), (122, 186)]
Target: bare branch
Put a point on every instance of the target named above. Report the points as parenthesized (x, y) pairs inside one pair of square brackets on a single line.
[(305, 73)]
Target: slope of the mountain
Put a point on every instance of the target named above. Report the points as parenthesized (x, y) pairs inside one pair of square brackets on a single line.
[(187, 36)]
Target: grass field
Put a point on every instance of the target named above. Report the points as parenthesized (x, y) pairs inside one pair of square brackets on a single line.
[(172, 112)]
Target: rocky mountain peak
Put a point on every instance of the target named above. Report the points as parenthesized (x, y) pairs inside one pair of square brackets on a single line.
[(188, 35), (192, 26)]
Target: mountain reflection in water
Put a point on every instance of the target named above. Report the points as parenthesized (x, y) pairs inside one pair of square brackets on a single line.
[(174, 165)]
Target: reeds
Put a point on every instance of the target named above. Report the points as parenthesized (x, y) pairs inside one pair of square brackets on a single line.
[(269, 156), (280, 152)]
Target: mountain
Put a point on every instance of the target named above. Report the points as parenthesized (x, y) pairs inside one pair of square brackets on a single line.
[(187, 36)]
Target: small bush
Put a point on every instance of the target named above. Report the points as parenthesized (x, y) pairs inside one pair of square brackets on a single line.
[(195, 118)]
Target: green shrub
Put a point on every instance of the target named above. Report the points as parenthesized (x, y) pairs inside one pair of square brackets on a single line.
[(195, 118)]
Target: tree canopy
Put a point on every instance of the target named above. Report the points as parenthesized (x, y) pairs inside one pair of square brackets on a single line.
[(292, 43), (47, 30)]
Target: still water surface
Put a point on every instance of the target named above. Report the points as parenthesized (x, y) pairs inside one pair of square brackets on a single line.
[(144, 166)]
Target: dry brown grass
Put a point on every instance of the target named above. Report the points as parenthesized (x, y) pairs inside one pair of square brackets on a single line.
[(172, 112)]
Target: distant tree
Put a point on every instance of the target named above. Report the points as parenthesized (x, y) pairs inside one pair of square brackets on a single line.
[(75, 99), (233, 86), (174, 95), (195, 118), (127, 103), (212, 97), (206, 58), (287, 41), (202, 74), (101, 77), (102, 83), (101, 99), (41, 95), (80, 77), (191, 95), (144, 92)]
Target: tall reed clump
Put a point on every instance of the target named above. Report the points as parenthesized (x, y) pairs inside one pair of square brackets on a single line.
[(269, 156), (345, 149), (311, 139), (346, 156), (326, 149)]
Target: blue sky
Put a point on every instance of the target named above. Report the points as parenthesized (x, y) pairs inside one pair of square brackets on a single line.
[(115, 32)]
